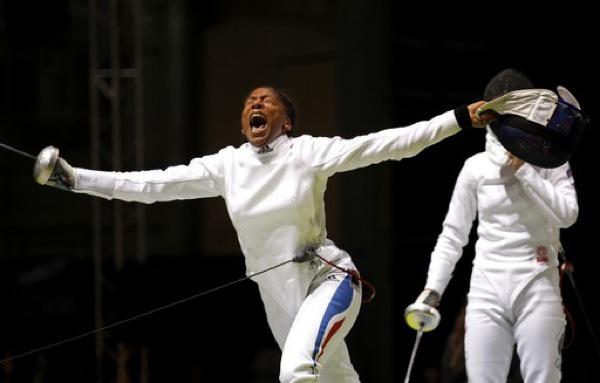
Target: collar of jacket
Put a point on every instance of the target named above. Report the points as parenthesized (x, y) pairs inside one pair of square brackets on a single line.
[(274, 146)]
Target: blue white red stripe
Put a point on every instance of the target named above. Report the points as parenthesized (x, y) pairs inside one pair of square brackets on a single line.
[(334, 316)]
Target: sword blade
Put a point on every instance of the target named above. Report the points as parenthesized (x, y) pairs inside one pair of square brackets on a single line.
[(15, 150), (412, 356)]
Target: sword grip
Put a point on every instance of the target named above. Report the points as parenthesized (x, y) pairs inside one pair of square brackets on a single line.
[(422, 317)]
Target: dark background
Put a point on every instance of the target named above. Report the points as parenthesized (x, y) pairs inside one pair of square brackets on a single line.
[(352, 67)]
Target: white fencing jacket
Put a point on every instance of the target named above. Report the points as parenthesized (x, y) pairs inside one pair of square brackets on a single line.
[(274, 195), (519, 213)]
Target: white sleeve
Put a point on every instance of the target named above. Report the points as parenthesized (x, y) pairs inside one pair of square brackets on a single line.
[(200, 179), (455, 232), (335, 154), (554, 195)]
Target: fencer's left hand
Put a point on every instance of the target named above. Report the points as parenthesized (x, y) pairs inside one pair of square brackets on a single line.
[(483, 119), (514, 162)]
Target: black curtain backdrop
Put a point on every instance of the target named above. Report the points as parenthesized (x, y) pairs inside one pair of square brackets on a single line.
[(390, 64)]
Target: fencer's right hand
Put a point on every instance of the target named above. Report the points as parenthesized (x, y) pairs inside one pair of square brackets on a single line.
[(63, 176), (429, 297), (514, 162), (50, 169), (423, 315)]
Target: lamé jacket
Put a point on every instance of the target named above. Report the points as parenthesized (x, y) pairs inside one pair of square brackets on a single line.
[(274, 197), (519, 213)]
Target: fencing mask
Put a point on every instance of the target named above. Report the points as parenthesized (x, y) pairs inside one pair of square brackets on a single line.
[(539, 126)]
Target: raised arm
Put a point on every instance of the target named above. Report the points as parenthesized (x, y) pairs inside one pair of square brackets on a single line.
[(333, 155), (554, 194)]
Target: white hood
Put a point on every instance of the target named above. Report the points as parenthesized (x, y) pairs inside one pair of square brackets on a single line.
[(494, 149)]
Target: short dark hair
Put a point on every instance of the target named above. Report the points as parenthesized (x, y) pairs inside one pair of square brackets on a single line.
[(504, 82), (287, 102)]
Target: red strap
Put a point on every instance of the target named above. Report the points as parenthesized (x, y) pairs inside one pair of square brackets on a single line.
[(354, 274)]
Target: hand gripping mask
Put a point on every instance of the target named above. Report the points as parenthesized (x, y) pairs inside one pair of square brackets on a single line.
[(537, 125)]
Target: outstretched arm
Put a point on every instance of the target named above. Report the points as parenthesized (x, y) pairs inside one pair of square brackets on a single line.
[(173, 183), (333, 155), (199, 179)]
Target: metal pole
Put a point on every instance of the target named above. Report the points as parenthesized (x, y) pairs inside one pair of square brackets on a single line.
[(95, 162), (139, 122), (115, 116)]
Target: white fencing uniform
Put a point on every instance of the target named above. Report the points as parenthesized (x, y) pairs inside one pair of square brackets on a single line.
[(274, 197), (514, 293)]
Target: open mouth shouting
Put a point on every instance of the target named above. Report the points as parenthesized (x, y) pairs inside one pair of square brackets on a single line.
[(263, 117), (258, 121), (258, 131)]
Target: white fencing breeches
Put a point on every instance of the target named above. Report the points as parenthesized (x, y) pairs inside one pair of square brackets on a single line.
[(315, 350), (535, 321)]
